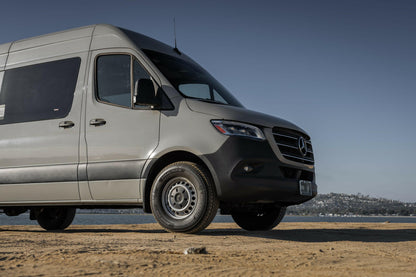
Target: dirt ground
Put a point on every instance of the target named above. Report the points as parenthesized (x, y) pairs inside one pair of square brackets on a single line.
[(291, 249)]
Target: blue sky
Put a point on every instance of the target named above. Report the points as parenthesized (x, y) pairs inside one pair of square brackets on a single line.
[(345, 71)]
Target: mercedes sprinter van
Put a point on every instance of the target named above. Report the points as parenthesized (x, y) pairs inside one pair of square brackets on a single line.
[(103, 117)]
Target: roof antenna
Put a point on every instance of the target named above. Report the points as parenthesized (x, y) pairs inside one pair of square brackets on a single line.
[(174, 33)]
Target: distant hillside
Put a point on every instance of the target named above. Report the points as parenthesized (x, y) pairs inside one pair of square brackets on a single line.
[(352, 204)]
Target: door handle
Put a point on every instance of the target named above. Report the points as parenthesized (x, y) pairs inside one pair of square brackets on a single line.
[(97, 122), (66, 124)]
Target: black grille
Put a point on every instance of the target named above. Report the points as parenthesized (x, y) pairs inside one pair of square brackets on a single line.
[(288, 142)]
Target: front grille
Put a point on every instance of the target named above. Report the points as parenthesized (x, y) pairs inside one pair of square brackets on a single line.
[(288, 142)]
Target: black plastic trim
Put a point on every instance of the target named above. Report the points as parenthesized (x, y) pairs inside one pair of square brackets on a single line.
[(72, 172), (264, 182), (115, 170)]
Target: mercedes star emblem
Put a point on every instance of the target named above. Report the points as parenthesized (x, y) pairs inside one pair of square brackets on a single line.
[(303, 147)]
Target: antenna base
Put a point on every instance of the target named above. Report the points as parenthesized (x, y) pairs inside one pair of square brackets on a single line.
[(177, 51)]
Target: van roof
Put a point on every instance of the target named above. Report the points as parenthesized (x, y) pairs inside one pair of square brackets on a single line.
[(75, 40)]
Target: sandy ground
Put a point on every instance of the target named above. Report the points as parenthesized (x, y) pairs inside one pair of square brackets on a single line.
[(292, 249)]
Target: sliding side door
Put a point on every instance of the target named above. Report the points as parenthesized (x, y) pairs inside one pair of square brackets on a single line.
[(39, 132)]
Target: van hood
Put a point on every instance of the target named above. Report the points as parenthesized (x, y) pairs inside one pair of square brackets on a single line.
[(226, 112)]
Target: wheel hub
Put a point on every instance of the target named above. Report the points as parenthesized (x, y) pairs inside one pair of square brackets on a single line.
[(179, 198)]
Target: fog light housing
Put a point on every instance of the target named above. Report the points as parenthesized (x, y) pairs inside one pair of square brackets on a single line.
[(248, 168)]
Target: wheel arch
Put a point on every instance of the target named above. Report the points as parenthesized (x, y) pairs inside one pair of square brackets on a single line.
[(157, 164)]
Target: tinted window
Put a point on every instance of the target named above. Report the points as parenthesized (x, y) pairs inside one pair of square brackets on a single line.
[(38, 92), (191, 79), (113, 79)]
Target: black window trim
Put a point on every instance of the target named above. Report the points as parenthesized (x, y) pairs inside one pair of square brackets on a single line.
[(132, 59), (1, 78), (39, 62)]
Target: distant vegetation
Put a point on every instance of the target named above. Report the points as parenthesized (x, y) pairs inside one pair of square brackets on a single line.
[(352, 204)]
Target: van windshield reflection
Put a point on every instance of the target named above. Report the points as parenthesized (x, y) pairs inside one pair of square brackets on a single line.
[(191, 79)]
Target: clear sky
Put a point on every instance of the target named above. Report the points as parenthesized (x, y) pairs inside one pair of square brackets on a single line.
[(345, 71)]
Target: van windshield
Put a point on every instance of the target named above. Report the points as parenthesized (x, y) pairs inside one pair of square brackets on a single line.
[(191, 79)]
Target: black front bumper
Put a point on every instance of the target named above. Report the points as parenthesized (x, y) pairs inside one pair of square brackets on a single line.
[(270, 180)]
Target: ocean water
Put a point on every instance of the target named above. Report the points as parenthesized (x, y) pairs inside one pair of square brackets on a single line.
[(105, 219)]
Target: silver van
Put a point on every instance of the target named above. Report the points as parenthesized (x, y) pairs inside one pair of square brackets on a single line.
[(103, 117)]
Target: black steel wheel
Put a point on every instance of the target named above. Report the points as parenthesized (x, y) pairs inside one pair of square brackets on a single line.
[(183, 198)]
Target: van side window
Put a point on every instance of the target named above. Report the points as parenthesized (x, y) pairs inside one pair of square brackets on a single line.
[(113, 79), (38, 92)]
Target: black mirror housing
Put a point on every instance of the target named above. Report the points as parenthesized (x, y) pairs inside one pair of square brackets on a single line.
[(144, 93)]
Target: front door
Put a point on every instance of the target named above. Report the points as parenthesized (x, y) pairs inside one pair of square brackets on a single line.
[(120, 135)]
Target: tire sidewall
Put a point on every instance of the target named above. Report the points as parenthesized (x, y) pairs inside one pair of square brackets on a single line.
[(251, 222), (47, 222), (189, 173)]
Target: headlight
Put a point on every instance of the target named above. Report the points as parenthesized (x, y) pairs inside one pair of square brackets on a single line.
[(232, 128)]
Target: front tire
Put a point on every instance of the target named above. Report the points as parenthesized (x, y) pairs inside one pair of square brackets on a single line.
[(55, 218), (259, 221), (183, 198)]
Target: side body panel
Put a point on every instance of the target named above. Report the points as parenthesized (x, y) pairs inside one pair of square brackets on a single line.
[(182, 129)]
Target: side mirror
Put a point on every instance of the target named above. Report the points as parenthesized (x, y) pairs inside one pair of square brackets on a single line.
[(144, 93)]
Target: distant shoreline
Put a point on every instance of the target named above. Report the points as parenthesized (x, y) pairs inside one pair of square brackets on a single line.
[(310, 215), (142, 218), (141, 213)]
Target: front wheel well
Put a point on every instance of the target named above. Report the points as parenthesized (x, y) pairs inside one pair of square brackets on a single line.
[(176, 156)]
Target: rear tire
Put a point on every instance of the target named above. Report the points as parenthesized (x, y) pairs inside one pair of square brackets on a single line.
[(55, 218), (259, 221), (183, 198)]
